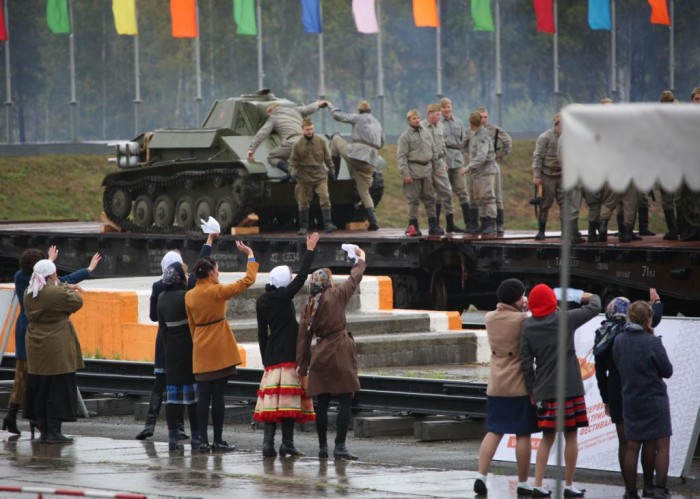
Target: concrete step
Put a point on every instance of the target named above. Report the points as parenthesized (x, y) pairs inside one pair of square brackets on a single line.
[(233, 413)]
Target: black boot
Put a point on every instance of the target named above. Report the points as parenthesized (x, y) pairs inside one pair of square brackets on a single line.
[(173, 438), (625, 234), (473, 223), (500, 222), (284, 166), (53, 433), (154, 403), (268, 449), (438, 210), (488, 226), (603, 231), (672, 234), (576, 237), (434, 228), (451, 227), (287, 447), (372, 219), (593, 231), (9, 422), (644, 223), (303, 222), (181, 435), (342, 452), (540, 231), (465, 215), (620, 223), (327, 224), (412, 229)]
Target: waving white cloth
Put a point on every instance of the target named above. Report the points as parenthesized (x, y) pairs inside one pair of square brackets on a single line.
[(168, 259), (211, 226), (280, 276), (350, 250), (42, 270)]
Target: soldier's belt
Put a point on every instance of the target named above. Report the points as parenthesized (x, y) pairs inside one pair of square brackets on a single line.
[(454, 147), (365, 144), (422, 163)]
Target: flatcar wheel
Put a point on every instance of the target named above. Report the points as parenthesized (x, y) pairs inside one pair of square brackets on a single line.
[(204, 209), (184, 213), (163, 211), (225, 213), (143, 211), (120, 204)]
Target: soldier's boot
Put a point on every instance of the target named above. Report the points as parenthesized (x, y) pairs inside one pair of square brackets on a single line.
[(450, 226), (593, 232), (540, 236), (488, 225), (434, 228), (284, 166), (303, 222), (685, 231), (620, 223), (473, 224), (327, 223), (465, 215), (500, 221), (336, 165), (603, 231), (644, 223), (576, 237), (625, 235), (412, 229), (438, 210), (372, 219), (672, 234)]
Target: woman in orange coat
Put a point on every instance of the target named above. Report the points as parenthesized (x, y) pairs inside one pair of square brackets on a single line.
[(215, 352)]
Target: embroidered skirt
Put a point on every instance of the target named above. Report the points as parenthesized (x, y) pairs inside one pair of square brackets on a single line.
[(575, 415), (281, 396), (181, 394)]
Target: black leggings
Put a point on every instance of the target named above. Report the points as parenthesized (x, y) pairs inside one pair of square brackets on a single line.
[(323, 401), (211, 391), (174, 416)]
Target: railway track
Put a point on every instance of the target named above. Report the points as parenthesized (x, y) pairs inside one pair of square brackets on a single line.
[(414, 396)]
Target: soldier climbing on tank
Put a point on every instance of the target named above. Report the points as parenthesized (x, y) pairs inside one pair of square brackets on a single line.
[(286, 122)]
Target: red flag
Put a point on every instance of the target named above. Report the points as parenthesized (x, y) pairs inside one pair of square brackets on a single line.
[(184, 16), (425, 13), (659, 12), (3, 29), (544, 10)]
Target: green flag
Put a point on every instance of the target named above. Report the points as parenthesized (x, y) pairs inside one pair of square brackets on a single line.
[(244, 15), (57, 16), (481, 14)]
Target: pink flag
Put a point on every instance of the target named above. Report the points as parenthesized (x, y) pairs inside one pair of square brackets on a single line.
[(365, 16)]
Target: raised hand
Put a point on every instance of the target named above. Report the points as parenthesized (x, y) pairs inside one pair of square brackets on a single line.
[(53, 253), (311, 241), (243, 248), (94, 261)]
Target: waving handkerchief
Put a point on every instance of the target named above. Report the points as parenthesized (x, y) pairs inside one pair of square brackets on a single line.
[(350, 250), (211, 226)]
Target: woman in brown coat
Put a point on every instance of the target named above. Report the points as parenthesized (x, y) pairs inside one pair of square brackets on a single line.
[(332, 366)]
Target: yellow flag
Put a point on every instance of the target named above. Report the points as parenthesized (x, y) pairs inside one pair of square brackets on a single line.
[(125, 17)]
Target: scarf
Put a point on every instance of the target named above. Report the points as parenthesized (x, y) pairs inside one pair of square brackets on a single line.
[(321, 280), (280, 276), (42, 270), (168, 259), (174, 276)]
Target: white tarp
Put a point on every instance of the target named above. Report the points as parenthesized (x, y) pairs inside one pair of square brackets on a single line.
[(642, 143)]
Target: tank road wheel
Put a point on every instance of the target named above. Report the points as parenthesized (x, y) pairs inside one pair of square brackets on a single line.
[(120, 204), (184, 213), (143, 211), (225, 213), (163, 211), (204, 209)]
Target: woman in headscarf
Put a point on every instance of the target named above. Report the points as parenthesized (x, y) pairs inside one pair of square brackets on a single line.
[(181, 388), (332, 365), (156, 398), (53, 351), (281, 399), (215, 351)]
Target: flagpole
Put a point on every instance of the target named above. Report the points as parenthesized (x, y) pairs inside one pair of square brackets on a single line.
[(8, 79), (671, 50), (261, 72), (555, 59), (73, 100), (321, 69), (438, 54), (613, 49), (499, 88), (137, 85), (198, 70), (380, 64)]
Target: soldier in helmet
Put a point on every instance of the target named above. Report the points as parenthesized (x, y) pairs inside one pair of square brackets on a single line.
[(482, 168)]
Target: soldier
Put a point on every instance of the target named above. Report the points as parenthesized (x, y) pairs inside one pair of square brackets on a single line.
[(695, 95), (441, 183), (611, 200), (455, 135), (362, 154), (546, 170), (503, 145), (309, 154), (286, 122), (418, 158), (482, 167)]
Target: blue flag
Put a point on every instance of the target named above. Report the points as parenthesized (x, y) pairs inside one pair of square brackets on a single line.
[(599, 14), (311, 16)]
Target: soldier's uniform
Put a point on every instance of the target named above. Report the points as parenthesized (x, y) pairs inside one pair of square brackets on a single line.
[(455, 135), (482, 169), (441, 182), (307, 160), (611, 199), (503, 145)]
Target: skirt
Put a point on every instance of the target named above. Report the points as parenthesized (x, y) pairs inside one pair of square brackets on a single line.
[(281, 396), (575, 415), (181, 394), (513, 415), (52, 397)]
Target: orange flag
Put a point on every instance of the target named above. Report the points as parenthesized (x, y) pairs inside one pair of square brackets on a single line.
[(184, 16), (425, 13), (659, 12)]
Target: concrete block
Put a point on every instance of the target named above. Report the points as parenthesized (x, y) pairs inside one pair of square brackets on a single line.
[(111, 406), (450, 430), (383, 426), (416, 349)]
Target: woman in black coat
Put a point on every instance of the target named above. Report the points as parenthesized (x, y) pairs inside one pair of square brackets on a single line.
[(281, 397)]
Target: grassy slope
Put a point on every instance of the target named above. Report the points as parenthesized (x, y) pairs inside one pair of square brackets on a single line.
[(62, 187)]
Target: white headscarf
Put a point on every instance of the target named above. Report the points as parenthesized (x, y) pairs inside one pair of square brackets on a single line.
[(168, 259), (281, 276), (42, 270)]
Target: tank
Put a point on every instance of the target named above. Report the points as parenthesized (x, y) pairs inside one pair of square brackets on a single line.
[(170, 178)]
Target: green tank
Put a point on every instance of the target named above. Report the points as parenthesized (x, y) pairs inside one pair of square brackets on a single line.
[(170, 178)]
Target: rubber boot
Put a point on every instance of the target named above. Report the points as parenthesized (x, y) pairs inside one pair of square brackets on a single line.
[(438, 210), (576, 237), (644, 222), (53, 433), (593, 231), (303, 222), (287, 447), (540, 231), (9, 422), (489, 226), (500, 222), (327, 223), (372, 219), (154, 403), (672, 234), (173, 438), (412, 229), (473, 224), (268, 449), (603, 231), (342, 452), (434, 228), (451, 227)]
